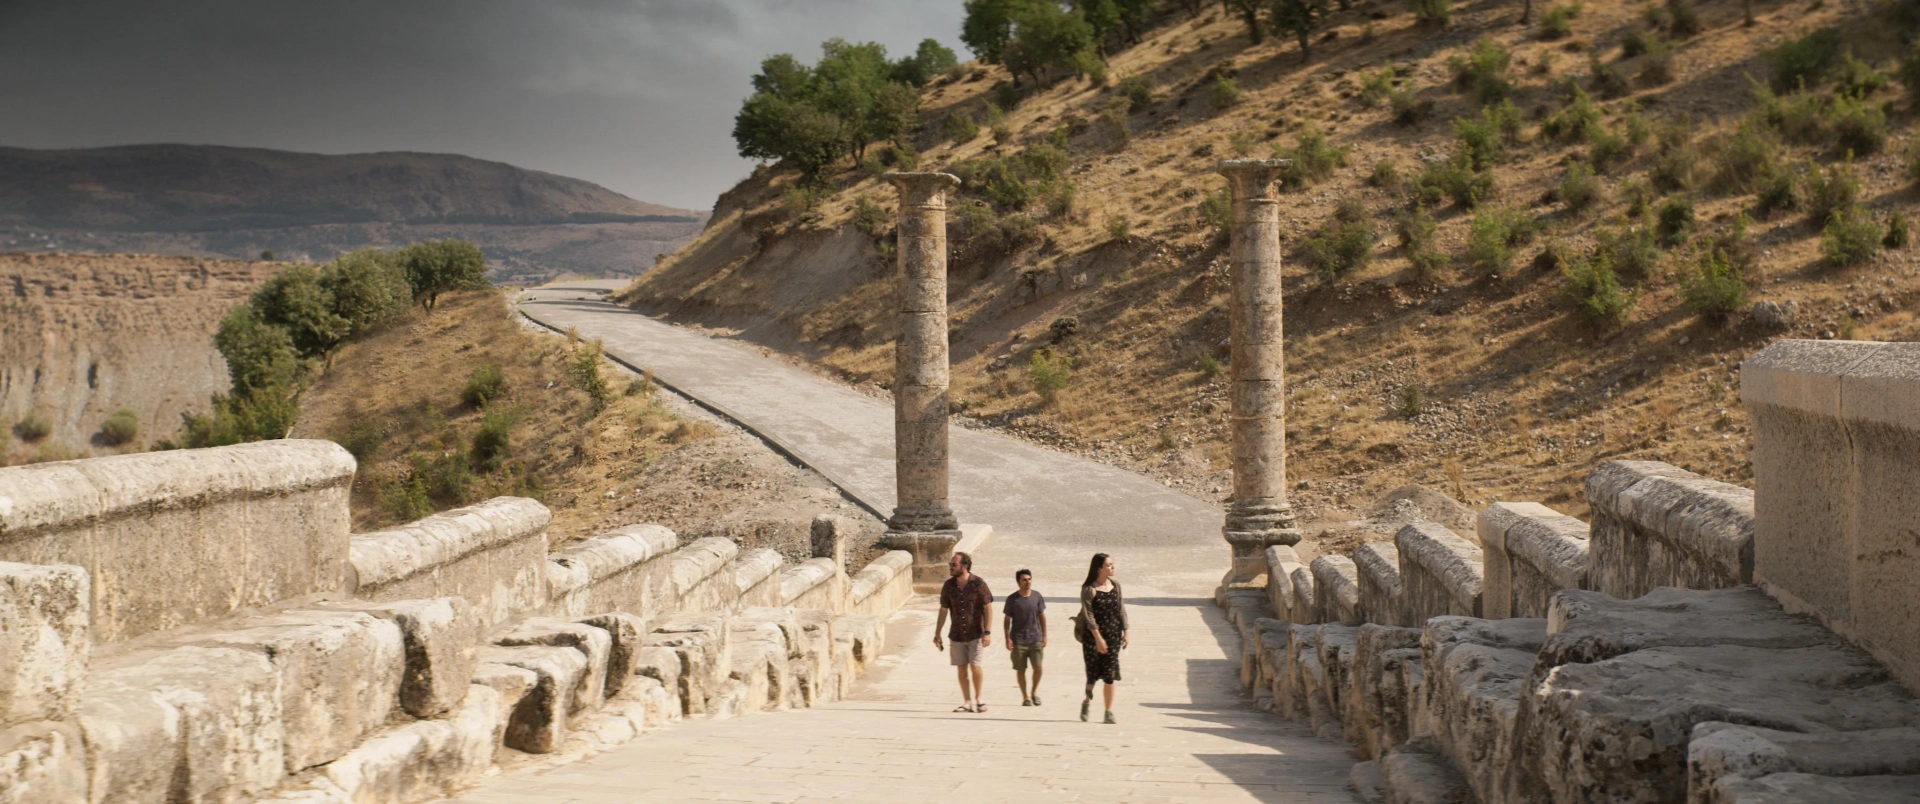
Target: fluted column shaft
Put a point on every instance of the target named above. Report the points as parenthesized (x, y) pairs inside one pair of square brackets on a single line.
[(1259, 515), (920, 359)]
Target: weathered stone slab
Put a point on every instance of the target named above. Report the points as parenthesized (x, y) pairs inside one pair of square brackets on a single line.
[(628, 634), (1590, 626), (731, 699), (1281, 562), (1476, 675), (1416, 773), (883, 585), (1337, 583), (756, 574), (663, 665), (1440, 572), (133, 743), (1291, 696), (1803, 788), (704, 645), (811, 584), (595, 644), (866, 635), (662, 707), (1836, 431), (1378, 564), (1323, 674), (509, 684), (43, 641), (538, 724), (1725, 751), (624, 569), (816, 679), (42, 763), (424, 759), (442, 638), (203, 723), (1658, 525), (338, 676), (183, 536), (1548, 554), (494, 554), (702, 575), (1305, 606), (1375, 707)]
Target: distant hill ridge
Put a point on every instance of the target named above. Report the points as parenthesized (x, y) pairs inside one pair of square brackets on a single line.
[(205, 188)]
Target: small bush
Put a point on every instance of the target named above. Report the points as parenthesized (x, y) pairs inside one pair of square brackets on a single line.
[(1002, 134), (1639, 129), (1430, 12), (1639, 198), (1417, 231), (1833, 190), (1575, 121), (1138, 92), (1674, 220), (584, 372), (1859, 126), (1410, 402), (1482, 71), (1557, 23), (1064, 327), (1607, 80), (1850, 237), (1713, 287), (1910, 70), (1350, 210), (32, 428), (1375, 87), (1578, 188), (1241, 142), (1779, 193), (1210, 367), (1385, 175), (799, 199), (1454, 179), (1479, 139), (1049, 373), (1745, 160), (1408, 108), (1636, 43), (1805, 61), (1656, 68), (1609, 149), (1798, 116), (1225, 93), (363, 439), (1594, 291), (485, 384), (1857, 78), (1493, 236), (870, 217), (960, 127), (1682, 20), (1119, 228), (1119, 123), (1314, 159), (1898, 235), (121, 428), (1633, 252), (493, 442), (1216, 213), (1340, 248)]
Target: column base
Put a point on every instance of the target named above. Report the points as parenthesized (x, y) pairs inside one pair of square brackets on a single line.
[(1250, 553), (930, 548), (915, 520)]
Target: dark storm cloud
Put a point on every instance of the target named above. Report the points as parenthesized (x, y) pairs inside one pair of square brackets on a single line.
[(638, 96)]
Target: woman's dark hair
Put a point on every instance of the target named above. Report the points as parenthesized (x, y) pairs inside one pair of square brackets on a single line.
[(1093, 570)]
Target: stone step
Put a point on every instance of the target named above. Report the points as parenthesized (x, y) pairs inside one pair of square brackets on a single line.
[(1416, 773)]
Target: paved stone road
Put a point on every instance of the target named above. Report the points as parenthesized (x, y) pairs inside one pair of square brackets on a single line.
[(1185, 732)]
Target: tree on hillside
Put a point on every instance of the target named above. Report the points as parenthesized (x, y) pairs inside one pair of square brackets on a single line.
[(988, 27), (1300, 18), (296, 302), (930, 60), (434, 267), (809, 117), (1103, 16), (1249, 11), (1135, 16), (1047, 37), (369, 288), (258, 354)]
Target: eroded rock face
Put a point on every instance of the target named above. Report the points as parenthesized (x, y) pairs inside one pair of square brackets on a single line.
[(704, 645), (194, 721), (442, 638), (424, 759), (1417, 774), (627, 633), (43, 640), (42, 763), (1721, 753)]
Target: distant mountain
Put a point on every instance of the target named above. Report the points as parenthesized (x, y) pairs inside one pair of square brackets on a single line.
[(236, 202)]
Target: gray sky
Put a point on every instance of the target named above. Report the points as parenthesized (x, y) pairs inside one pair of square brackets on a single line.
[(637, 96)]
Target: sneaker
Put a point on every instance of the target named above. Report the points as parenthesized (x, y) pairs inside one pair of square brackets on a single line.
[(1110, 721), (1086, 706)]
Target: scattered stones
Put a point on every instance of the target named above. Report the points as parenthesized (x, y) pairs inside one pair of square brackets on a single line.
[(1770, 314)]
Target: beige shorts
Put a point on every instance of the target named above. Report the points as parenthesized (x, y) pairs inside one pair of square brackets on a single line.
[(965, 653)]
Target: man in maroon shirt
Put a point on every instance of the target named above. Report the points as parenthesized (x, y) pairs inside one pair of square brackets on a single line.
[(966, 597)]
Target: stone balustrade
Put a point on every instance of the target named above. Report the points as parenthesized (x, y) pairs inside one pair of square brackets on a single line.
[(1439, 572), (494, 554), (1659, 525)]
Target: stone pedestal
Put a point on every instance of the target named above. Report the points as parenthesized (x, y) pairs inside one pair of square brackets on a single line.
[(930, 549), (922, 521), (1259, 515)]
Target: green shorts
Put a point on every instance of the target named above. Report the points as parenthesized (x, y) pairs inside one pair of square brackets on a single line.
[(1030, 653)]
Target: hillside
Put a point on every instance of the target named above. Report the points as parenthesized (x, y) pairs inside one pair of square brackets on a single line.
[(238, 202), (84, 335), (396, 400), (1470, 372)]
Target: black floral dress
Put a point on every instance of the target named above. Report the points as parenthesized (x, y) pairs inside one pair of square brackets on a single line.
[(1109, 614)]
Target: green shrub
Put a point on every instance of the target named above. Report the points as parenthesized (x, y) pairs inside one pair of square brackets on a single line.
[(1408, 108), (584, 372), (1482, 71), (870, 217), (1799, 116), (1857, 78), (121, 428), (1633, 252), (1494, 235), (960, 127), (1340, 247), (1833, 190), (1314, 159), (1479, 139), (1385, 175), (1216, 213), (1578, 188), (1780, 192), (1577, 118), (1557, 23), (1225, 93), (1609, 149), (1682, 20), (1746, 160), (1119, 228), (485, 384), (1417, 232), (1639, 129), (1636, 43), (1137, 91), (1456, 179), (1606, 80), (1049, 373), (1431, 12), (1850, 237), (1859, 126), (1638, 196), (263, 413), (1910, 70), (1410, 402), (1713, 287), (1674, 220), (1375, 86), (32, 428), (493, 442), (1897, 234), (1656, 68), (1594, 291), (363, 439), (1804, 61), (799, 199)]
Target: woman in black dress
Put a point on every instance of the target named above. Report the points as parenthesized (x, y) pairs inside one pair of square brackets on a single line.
[(1104, 611)]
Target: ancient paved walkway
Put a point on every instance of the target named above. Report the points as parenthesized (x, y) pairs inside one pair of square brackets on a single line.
[(1186, 734)]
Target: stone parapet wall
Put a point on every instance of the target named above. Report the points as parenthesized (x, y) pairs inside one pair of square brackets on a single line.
[(816, 583), (1532, 551), (883, 585), (702, 575), (1655, 525), (756, 574), (1439, 572), (1282, 561), (1378, 564), (625, 569), (174, 538), (494, 554), (1836, 464)]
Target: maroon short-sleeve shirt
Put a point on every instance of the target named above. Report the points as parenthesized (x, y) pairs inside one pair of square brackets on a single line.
[(969, 607)]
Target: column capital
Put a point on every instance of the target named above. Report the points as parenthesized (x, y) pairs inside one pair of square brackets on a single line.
[(923, 189), (1255, 178)]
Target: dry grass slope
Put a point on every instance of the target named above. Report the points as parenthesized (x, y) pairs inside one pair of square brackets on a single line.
[(1473, 375)]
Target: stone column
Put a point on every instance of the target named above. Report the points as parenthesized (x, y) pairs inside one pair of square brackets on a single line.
[(922, 523), (1258, 516)]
